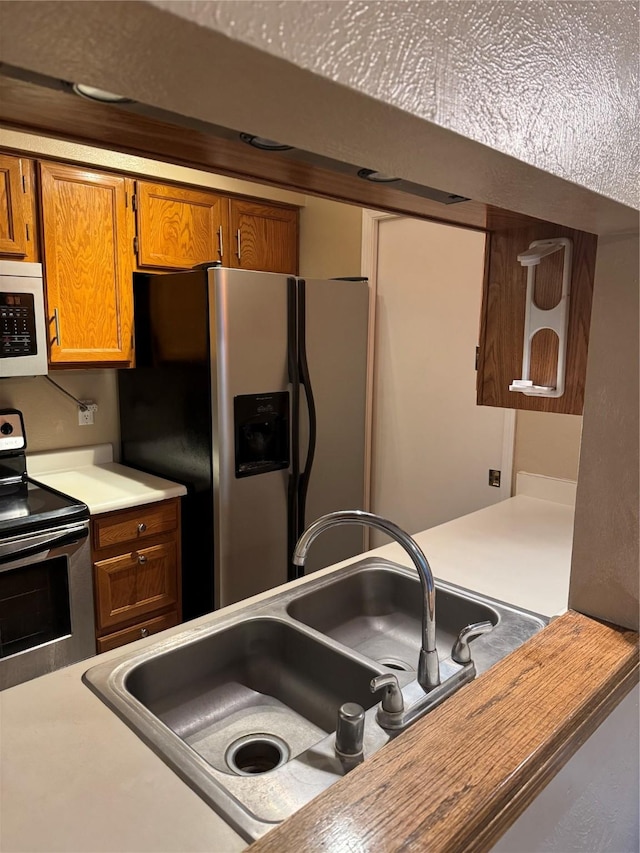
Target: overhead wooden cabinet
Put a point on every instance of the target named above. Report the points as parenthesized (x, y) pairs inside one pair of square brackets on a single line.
[(503, 319), (264, 237), (17, 209), (88, 265), (179, 227)]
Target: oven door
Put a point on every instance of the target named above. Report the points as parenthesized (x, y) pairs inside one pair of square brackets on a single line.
[(46, 602)]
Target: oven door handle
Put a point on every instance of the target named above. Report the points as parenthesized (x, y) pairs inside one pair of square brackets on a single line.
[(21, 548)]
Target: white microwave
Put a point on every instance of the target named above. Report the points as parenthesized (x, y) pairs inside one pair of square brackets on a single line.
[(23, 340)]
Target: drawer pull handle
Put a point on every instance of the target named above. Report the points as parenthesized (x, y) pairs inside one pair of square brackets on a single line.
[(142, 527), (142, 558), (144, 632)]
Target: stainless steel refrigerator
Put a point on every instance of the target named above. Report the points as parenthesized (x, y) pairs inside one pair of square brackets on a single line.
[(250, 389)]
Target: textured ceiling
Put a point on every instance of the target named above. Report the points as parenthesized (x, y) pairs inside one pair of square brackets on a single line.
[(553, 84), (528, 106)]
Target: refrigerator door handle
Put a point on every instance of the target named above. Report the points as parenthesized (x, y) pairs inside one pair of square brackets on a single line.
[(293, 532), (305, 381)]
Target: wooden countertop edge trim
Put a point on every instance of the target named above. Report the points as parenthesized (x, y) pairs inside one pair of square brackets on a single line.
[(477, 784)]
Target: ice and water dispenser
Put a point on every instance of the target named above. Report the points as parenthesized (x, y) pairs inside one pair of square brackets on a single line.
[(261, 426)]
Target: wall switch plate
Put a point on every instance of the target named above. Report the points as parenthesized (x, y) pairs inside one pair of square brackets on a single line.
[(85, 416)]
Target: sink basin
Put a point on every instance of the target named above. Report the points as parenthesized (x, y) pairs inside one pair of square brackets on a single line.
[(260, 675), (243, 706), (378, 612)]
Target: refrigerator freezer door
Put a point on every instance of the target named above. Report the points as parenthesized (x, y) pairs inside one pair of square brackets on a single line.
[(251, 453), (336, 318)]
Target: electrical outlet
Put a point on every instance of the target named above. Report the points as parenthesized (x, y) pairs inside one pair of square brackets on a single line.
[(85, 416)]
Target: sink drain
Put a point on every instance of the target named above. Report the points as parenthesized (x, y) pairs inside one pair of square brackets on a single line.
[(396, 663), (257, 753)]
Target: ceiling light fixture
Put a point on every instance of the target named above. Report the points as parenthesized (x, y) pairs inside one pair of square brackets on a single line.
[(104, 97), (264, 144), (376, 177)]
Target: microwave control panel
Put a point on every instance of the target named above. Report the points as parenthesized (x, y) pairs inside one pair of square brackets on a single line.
[(17, 325)]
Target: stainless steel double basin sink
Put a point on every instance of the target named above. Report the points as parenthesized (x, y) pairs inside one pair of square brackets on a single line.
[(244, 708)]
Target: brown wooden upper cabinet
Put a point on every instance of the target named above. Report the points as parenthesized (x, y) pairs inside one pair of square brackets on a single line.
[(178, 227), (88, 265), (17, 209), (264, 236), (500, 355)]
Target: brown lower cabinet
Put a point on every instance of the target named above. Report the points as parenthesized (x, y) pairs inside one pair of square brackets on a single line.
[(137, 571)]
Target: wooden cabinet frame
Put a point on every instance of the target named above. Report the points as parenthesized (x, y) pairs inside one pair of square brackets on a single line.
[(137, 569), (503, 316)]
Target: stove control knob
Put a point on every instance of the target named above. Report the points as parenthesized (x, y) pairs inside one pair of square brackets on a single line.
[(6, 428)]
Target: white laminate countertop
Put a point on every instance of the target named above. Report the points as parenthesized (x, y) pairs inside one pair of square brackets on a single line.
[(90, 475), (76, 778)]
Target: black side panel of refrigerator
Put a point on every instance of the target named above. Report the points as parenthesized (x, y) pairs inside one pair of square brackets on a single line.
[(165, 414)]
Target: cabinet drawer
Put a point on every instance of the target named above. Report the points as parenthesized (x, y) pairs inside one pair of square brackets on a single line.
[(138, 524), (136, 584), (137, 632)]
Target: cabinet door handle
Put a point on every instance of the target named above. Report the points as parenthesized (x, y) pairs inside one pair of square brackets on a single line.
[(220, 247), (141, 558), (56, 325), (238, 240), (142, 527), (144, 632)]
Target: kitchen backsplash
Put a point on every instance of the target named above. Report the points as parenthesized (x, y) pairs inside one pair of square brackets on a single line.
[(51, 418)]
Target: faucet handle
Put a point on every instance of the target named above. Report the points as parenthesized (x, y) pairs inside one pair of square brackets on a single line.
[(392, 700), (461, 652)]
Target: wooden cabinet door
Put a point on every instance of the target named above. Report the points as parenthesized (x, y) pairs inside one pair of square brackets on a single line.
[(88, 265), (503, 318), (13, 225), (135, 584), (263, 236), (179, 227)]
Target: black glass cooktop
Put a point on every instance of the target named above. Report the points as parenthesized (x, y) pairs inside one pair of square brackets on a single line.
[(32, 506)]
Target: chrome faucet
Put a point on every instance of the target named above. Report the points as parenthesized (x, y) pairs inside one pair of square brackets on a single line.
[(428, 666)]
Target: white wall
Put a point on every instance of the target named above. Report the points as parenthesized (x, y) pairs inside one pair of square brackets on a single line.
[(547, 444), (592, 803), (51, 418), (432, 446), (330, 239), (605, 575)]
